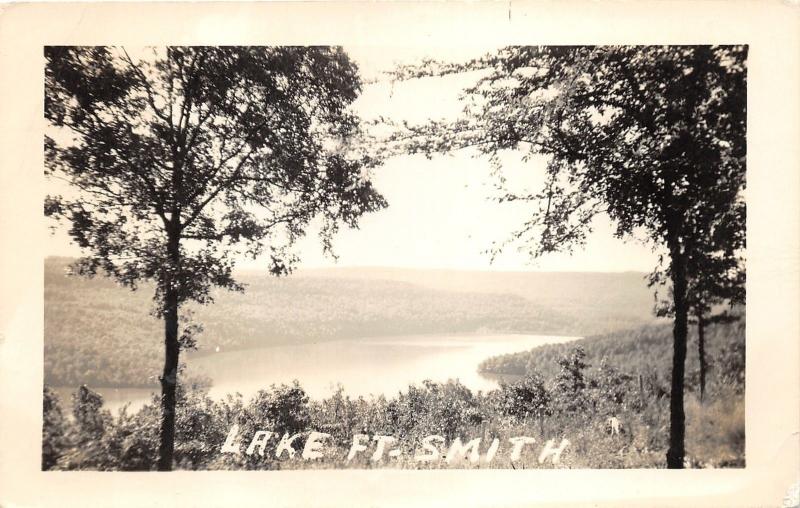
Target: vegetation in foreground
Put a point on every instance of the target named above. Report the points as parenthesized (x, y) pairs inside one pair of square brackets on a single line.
[(573, 399)]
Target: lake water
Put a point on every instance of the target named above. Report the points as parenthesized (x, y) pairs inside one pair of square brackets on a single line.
[(362, 366)]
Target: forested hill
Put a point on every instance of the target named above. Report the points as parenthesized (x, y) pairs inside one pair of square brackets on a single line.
[(645, 351), (99, 333), (597, 302)]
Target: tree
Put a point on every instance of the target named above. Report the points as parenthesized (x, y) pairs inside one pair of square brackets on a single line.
[(716, 276), (570, 384), (54, 430), (527, 397), (653, 137), (186, 158)]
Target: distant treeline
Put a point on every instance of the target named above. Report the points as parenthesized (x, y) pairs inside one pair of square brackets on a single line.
[(101, 334), (645, 351)]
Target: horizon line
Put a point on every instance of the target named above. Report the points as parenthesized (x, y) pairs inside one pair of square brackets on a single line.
[(251, 268)]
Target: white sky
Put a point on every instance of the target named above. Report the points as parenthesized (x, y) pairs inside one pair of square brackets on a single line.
[(440, 214)]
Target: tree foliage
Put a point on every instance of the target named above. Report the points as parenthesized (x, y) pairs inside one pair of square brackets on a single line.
[(642, 134), (527, 398), (653, 136), (187, 157), (220, 146), (54, 429)]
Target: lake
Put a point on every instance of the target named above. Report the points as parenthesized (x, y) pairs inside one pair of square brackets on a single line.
[(362, 366)]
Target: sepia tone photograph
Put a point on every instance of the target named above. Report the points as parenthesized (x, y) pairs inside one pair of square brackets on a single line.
[(400, 254), (330, 257)]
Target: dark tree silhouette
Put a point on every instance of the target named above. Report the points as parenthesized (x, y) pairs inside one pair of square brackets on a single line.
[(54, 429), (717, 278), (654, 137), (182, 160)]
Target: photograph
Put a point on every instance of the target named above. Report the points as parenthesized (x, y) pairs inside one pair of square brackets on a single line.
[(329, 257), (394, 254)]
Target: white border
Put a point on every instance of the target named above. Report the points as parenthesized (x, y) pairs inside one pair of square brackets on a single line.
[(771, 28)]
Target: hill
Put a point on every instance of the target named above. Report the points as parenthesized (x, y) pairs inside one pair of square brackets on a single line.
[(644, 351), (597, 302), (97, 332)]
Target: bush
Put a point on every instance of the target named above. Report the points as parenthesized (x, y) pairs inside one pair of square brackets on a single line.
[(527, 398), (54, 430)]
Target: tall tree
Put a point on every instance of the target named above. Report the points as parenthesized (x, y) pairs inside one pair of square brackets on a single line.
[(716, 274), (654, 137), (183, 159)]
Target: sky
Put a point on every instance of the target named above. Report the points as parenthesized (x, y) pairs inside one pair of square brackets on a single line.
[(440, 212)]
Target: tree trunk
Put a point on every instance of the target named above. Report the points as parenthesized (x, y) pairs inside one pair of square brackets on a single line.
[(677, 417), (169, 377), (169, 381), (701, 351)]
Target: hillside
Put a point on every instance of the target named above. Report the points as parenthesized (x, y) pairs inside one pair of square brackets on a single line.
[(99, 333), (597, 302), (645, 351)]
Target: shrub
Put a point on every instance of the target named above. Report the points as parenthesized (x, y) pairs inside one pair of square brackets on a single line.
[(54, 430)]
